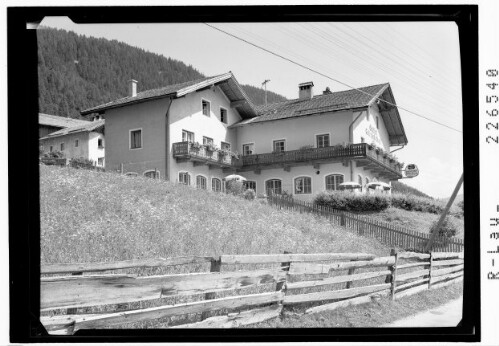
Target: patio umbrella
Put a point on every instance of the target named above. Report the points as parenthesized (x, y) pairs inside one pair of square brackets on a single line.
[(373, 185), (235, 177), (349, 185), (385, 186)]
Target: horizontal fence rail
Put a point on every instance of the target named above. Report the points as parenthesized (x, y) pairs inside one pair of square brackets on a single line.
[(317, 282), (369, 227)]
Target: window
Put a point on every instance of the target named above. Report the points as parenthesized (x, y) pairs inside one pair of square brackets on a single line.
[(100, 161), (51, 148), (184, 178), (279, 146), (333, 181), (360, 182), (216, 184), (250, 185), (377, 122), (76, 143), (225, 146), (248, 149), (273, 186), (136, 139), (303, 185), (207, 140), (322, 141), (201, 182), (99, 143), (187, 136), (223, 115), (62, 146), (152, 174), (206, 107)]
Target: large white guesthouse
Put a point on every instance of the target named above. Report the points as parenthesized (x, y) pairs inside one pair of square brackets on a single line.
[(200, 131)]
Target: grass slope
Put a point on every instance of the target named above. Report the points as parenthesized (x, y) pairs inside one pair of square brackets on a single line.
[(415, 220), (89, 216)]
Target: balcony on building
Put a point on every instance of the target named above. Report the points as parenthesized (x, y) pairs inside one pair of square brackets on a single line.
[(363, 154), (201, 155)]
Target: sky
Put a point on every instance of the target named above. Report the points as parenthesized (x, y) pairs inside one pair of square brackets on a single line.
[(420, 60)]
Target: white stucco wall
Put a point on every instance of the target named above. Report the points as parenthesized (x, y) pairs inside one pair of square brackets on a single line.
[(366, 127), (297, 132), (186, 114), (94, 152), (318, 180)]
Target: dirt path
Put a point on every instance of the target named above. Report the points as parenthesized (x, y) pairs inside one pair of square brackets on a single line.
[(447, 315)]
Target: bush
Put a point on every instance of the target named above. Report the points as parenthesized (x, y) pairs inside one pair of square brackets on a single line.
[(344, 200), (81, 162), (447, 230), (415, 203), (54, 154), (234, 187), (460, 205), (249, 194)]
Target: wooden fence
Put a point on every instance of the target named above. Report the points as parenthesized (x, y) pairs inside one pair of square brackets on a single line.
[(234, 290), (365, 226)]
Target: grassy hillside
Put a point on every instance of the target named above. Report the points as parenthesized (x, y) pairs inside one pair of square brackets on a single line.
[(415, 220), (94, 216), (400, 187)]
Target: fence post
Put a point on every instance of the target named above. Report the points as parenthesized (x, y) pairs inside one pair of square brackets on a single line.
[(342, 219), (281, 285), (121, 168), (393, 252), (215, 267), (431, 268), (72, 311)]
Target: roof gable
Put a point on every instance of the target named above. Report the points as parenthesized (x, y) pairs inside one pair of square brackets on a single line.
[(226, 82), (58, 121), (89, 127)]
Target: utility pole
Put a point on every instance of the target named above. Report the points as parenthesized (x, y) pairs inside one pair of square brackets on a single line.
[(264, 84), (442, 217)]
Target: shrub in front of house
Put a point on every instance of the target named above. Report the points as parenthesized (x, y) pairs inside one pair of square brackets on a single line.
[(345, 200), (56, 154), (81, 162), (249, 194), (417, 203), (234, 187)]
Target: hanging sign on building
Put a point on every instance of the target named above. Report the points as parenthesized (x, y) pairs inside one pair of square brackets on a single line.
[(411, 171)]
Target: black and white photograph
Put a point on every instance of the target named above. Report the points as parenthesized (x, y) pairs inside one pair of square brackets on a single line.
[(254, 175)]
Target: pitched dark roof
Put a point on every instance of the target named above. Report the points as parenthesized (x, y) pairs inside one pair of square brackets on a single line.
[(226, 81), (89, 126), (335, 101), (57, 121)]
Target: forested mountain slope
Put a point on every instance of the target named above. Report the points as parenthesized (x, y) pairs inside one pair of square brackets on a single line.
[(77, 72)]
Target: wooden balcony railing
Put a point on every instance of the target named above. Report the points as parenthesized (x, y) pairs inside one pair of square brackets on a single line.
[(360, 151), (189, 151)]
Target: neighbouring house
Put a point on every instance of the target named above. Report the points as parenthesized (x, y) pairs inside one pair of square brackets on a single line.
[(198, 132), (50, 123), (81, 141)]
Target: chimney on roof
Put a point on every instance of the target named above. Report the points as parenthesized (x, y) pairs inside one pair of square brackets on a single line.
[(306, 90), (327, 91), (132, 88)]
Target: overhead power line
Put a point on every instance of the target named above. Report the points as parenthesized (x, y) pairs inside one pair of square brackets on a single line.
[(329, 77)]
